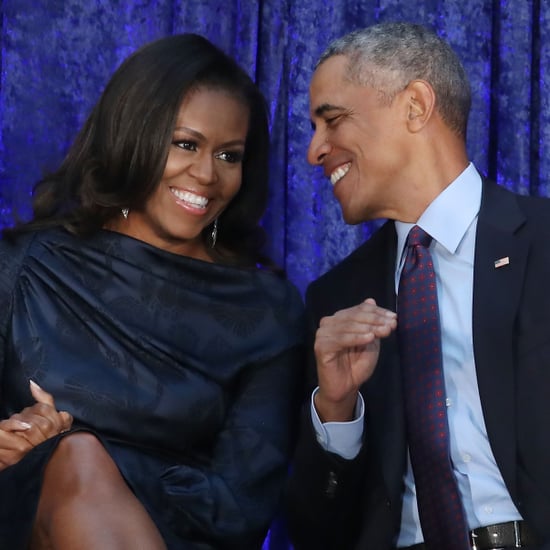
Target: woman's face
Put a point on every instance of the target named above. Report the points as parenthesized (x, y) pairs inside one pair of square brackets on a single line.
[(203, 173)]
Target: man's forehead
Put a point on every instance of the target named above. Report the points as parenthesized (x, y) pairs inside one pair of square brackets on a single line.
[(326, 80), (335, 66), (327, 85)]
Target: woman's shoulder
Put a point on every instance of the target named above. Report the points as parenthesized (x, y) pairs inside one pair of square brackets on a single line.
[(15, 246), (13, 249), (280, 295), (282, 290)]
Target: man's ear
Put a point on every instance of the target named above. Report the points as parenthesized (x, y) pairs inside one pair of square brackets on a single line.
[(420, 98)]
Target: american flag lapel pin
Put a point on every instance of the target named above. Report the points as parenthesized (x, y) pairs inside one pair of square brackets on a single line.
[(501, 262)]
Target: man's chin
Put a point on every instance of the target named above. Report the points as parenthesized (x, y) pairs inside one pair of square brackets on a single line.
[(352, 218), (355, 218)]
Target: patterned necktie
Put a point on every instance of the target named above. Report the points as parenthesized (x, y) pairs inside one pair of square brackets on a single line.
[(439, 504)]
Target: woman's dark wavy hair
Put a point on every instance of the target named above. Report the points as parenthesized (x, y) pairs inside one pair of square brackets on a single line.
[(118, 158)]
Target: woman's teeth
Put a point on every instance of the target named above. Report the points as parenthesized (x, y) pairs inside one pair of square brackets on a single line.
[(191, 198)]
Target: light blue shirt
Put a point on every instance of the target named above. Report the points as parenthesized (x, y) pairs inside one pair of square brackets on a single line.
[(451, 220)]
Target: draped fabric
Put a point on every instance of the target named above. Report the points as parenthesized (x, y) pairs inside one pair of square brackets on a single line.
[(187, 370), (57, 55)]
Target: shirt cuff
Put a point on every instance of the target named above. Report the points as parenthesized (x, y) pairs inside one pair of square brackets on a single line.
[(341, 438)]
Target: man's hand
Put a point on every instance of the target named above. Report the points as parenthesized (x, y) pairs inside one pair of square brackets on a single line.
[(347, 345)]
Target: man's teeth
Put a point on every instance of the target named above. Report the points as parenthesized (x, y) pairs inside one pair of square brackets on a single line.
[(186, 196), (339, 173)]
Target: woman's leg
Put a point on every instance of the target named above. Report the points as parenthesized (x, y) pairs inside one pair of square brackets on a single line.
[(85, 504)]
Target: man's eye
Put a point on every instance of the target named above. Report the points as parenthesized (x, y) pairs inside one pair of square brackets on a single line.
[(230, 156), (331, 121), (187, 145)]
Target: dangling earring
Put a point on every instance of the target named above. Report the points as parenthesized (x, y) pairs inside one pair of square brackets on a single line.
[(125, 212), (214, 233)]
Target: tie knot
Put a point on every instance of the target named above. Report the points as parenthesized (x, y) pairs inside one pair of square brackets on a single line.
[(418, 236)]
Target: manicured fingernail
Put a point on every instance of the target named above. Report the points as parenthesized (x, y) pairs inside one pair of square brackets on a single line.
[(24, 425), (34, 384)]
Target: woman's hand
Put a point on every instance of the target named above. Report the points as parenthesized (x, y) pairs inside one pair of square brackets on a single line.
[(24, 430)]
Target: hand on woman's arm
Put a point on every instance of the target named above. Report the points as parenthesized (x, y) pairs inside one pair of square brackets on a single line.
[(24, 430)]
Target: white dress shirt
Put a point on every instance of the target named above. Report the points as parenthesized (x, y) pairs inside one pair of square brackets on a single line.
[(451, 220)]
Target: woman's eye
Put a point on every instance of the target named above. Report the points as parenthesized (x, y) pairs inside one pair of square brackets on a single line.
[(187, 145), (230, 156)]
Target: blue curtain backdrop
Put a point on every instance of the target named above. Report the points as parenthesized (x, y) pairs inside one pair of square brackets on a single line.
[(57, 55)]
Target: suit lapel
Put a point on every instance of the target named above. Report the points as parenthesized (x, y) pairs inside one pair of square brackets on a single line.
[(497, 288)]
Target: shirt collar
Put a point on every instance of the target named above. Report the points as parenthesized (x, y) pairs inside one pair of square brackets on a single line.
[(449, 215)]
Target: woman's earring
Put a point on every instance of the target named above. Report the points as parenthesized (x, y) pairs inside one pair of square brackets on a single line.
[(214, 233), (125, 212)]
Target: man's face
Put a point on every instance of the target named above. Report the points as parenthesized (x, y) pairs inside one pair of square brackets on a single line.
[(361, 142)]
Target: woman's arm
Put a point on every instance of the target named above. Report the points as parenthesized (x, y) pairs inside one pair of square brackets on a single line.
[(232, 501)]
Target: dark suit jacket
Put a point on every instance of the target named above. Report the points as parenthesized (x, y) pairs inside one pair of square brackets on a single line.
[(356, 504)]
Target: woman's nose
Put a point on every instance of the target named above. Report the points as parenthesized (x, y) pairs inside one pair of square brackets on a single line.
[(203, 169)]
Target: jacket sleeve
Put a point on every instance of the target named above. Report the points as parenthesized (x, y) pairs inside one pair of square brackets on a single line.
[(322, 497)]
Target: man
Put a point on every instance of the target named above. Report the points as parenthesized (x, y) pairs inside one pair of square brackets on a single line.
[(389, 106)]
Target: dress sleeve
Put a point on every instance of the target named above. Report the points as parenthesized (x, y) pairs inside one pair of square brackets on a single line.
[(233, 500), (11, 260)]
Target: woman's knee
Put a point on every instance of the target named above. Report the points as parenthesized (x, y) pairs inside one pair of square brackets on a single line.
[(81, 463), (86, 503)]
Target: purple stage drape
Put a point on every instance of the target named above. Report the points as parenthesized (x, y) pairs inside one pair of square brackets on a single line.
[(57, 55)]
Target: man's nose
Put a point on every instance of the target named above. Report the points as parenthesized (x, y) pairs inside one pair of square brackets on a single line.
[(318, 148)]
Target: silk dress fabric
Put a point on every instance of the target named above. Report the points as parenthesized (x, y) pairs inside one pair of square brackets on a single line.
[(185, 370)]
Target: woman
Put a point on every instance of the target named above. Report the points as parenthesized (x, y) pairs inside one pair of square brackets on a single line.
[(150, 352)]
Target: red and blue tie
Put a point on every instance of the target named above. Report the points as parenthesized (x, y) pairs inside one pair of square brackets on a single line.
[(439, 504)]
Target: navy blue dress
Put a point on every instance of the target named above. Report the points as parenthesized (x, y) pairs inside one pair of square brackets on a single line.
[(187, 371)]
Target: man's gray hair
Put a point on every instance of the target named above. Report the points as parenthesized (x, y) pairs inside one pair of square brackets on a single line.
[(388, 56)]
